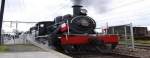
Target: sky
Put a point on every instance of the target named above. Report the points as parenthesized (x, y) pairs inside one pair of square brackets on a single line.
[(114, 12)]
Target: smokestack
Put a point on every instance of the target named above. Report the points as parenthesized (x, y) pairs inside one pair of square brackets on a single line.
[(76, 9)]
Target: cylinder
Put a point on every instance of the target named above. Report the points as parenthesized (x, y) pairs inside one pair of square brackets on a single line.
[(76, 10)]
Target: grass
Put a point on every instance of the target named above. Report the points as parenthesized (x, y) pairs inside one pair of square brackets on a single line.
[(4, 48), (142, 41), (135, 41)]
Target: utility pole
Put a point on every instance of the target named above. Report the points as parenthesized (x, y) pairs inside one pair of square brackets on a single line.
[(16, 29), (1, 18)]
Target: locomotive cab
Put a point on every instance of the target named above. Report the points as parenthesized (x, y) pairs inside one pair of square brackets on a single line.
[(42, 27), (42, 30)]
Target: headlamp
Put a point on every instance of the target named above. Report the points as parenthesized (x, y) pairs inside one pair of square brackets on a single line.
[(84, 11)]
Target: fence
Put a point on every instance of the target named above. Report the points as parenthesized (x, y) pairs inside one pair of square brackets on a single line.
[(10, 39)]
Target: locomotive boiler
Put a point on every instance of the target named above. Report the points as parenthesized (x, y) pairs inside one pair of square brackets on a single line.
[(75, 33)]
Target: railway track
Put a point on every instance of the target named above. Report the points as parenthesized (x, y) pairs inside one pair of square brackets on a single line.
[(139, 46), (142, 47), (109, 55), (96, 55)]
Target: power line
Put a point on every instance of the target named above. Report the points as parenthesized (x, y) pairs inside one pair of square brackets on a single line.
[(62, 2), (8, 6), (113, 3), (20, 6), (19, 22), (65, 6), (120, 6), (6, 25), (127, 16), (58, 10), (131, 11), (24, 5), (127, 20), (125, 5)]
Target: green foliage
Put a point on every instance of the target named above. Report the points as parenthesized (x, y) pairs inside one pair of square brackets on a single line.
[(4, 48), (142, 41), (135, 41)]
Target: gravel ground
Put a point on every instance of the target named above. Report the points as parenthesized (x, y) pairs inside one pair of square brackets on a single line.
[(98, 56), (142, 53), (24, 48)]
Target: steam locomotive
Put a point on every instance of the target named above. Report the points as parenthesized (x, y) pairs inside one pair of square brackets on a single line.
[(74, 33)]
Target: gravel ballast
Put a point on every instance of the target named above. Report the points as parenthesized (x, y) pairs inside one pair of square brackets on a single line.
[(142, 53)]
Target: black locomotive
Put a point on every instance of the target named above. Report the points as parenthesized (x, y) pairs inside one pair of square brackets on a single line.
[(74, 33)]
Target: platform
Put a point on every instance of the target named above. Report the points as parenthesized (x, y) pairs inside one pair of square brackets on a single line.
[(38, 54), (45, 47), (29, 55)]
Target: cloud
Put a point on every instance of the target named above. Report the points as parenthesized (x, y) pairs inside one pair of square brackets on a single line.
[(118, 12), (128, 12), (30, 11)]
